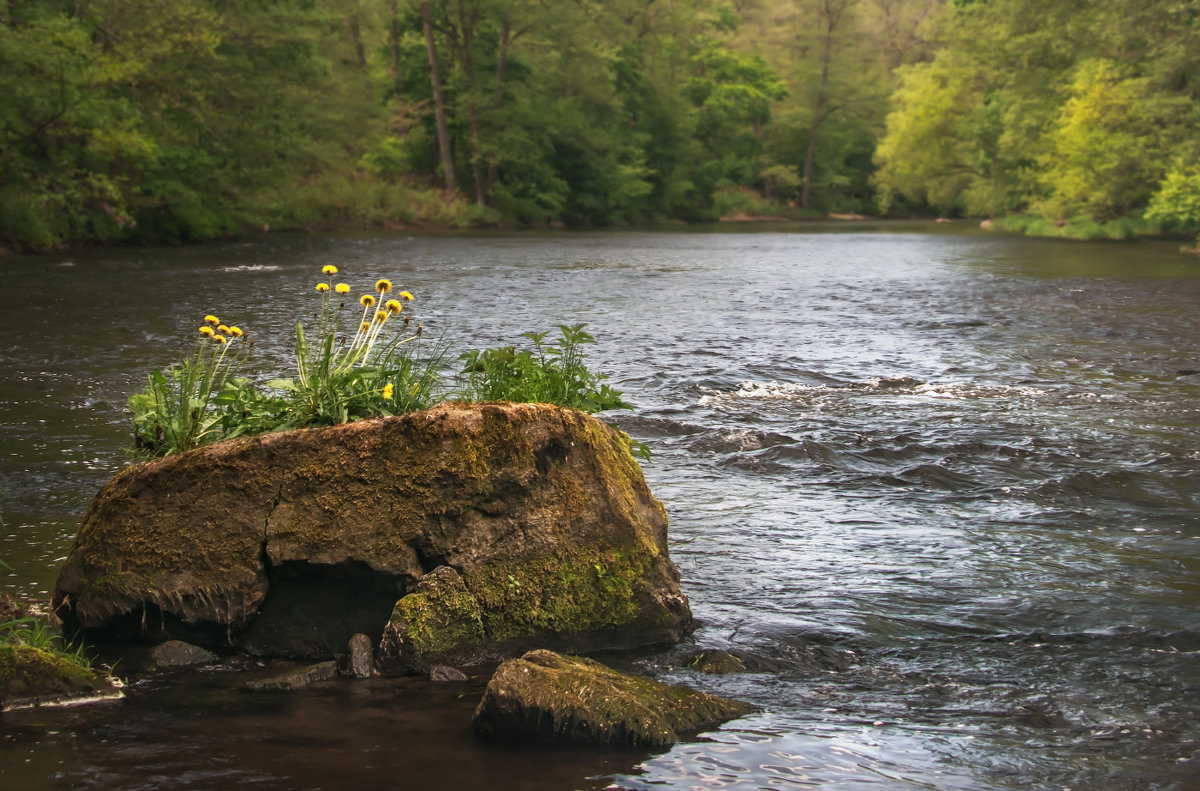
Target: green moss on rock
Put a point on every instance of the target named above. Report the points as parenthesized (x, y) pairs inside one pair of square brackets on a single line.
[(33, 675), (547, 698), (439, 619)]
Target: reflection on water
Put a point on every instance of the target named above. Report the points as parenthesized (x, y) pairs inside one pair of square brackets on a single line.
[(939, 489)]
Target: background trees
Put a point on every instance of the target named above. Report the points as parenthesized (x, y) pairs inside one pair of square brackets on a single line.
[(1076, 109), (187, 119)]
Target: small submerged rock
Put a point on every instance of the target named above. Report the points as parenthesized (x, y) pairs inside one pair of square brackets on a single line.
[(296, 678), (547, 698), (176, 653), (716, 662), (444, 673)]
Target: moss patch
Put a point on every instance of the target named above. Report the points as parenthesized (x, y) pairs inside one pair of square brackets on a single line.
[(547, 698), (570, 591), (32, 674), (439, 619)]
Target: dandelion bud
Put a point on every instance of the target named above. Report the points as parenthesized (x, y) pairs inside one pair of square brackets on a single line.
[(329, 269), (322, 286), (383, 286), (367, 300), (342, 288)]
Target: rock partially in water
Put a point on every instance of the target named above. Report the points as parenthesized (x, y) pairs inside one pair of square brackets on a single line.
[(295, 678), (716, 662), (439, 622), (176, 653), (445, 673), (546, 698), (359, 661), (287, 544), (31, 676)]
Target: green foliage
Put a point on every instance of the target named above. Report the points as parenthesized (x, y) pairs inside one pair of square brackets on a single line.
[(339, 380), (544, 374), (1072, 111), (1177, 201), (379, 370), (177, 410), (35, 633)]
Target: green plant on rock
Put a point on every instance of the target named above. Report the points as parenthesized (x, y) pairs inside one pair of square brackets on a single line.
[(372, 373), (549, 374), (34, 633), (178, 409)]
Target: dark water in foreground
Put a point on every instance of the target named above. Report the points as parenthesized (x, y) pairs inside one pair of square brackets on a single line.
[(945, 485)]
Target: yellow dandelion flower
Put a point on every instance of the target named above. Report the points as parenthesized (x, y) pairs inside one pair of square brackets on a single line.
[(366, 325), (407, 295), (329, 269), (222, 328), (211, 319), (388, 389), (383, 286), (322, 286), (206, 330), (219, 338), (342, 288), (367, 300), (235, 332), (393, 306), (380, 317)]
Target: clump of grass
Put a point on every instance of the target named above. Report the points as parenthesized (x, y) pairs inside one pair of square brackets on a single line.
[(372, 373), (346, 369), (176, 410), (33, 632), (350, 367), (549, 374)]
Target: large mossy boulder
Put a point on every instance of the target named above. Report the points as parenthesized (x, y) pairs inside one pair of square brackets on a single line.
[(547, 698), (465, 532)]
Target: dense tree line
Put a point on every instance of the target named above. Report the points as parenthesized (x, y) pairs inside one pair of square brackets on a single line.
[(188, 119), (1075, 110)]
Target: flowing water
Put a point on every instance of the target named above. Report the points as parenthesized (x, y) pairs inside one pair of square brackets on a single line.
[(939, 487)]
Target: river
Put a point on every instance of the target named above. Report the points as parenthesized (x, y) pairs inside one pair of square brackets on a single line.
[(941, 485)]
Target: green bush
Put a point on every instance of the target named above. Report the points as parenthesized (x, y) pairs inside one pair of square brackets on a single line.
[(550, 374)]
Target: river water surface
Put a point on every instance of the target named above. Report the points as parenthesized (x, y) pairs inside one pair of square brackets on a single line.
[(940, 487)]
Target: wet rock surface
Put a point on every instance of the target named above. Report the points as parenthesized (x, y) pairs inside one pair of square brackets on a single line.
[(547, 698), (288, 544)]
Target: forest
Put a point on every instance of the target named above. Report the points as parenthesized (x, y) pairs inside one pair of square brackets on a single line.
[(178, 120)]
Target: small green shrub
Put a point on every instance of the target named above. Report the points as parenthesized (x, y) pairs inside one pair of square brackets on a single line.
[(550, 374), (375, 368), (176, 411)]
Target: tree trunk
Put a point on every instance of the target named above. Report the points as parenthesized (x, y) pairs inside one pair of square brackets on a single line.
[(466, 22), (831, 13), (501, 68), (439, 102), (394, 47), (359, 51)]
